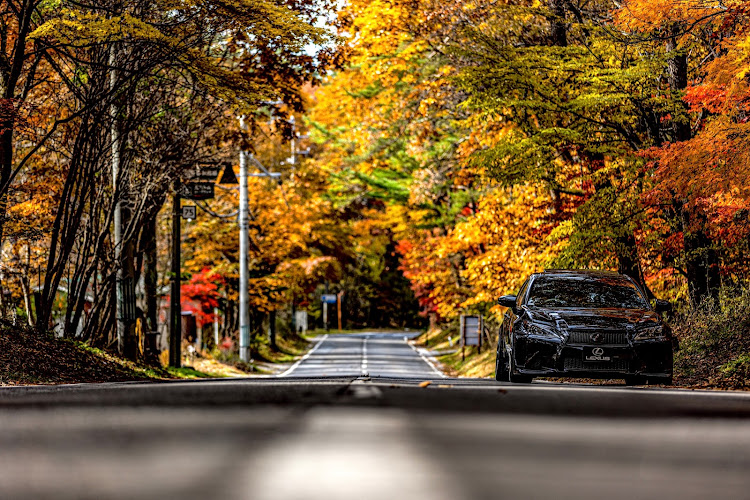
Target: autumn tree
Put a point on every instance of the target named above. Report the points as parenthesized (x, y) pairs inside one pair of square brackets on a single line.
[(170, 72)]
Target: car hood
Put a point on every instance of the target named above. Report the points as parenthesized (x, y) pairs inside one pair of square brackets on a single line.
[(593, 318)]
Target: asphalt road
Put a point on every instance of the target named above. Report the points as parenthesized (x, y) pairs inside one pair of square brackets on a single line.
[(349, 435), (366, 354)]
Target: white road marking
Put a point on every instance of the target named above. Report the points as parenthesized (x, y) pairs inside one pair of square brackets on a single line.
[(307, 355), (362, 390), (426, 359), (363, 356), (363, 368), (340, 455)]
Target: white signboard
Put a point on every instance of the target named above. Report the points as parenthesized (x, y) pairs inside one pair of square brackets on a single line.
[(471, 330), (300, 320)]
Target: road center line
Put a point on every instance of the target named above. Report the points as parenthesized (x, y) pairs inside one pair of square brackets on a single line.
[(363, 368)]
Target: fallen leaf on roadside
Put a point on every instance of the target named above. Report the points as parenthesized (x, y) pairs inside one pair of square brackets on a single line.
[(425, 383), (502, 391)]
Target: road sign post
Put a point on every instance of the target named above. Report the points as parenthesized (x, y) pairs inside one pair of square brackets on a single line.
[(325, 315), (198, 185), (327, 298), (175, 312), (471, 332), (339, 297)]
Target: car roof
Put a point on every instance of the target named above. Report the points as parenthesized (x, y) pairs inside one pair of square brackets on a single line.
[(581, 272)]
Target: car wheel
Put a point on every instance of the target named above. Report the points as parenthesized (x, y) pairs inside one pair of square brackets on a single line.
[(667, 380), (514, 377), (501, 367), (635, 380)]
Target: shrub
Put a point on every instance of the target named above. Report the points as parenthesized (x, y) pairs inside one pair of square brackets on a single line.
[(715, 341)]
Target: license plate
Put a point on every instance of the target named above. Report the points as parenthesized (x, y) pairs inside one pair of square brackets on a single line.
[(596, 354)]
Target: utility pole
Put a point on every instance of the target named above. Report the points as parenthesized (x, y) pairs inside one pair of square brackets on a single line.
[(175, 308), (244, 215), (244, 226)]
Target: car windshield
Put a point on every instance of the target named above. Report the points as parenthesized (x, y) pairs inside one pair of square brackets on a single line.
[(585, 292)]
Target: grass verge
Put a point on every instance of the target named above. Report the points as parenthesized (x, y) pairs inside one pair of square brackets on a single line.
[(445, 343)]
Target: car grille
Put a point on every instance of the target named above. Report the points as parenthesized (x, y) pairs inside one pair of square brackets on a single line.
[(617, 365), (616, 338)]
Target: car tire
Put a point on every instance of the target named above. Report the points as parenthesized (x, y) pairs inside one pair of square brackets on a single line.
[(635, 380), (501, 366), (666, 380), (514, 377)]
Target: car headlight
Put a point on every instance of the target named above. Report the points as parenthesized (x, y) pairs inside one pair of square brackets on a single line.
[(532, 329), (650, 333)]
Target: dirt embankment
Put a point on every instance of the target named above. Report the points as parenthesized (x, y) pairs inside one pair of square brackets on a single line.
[(27, 357)]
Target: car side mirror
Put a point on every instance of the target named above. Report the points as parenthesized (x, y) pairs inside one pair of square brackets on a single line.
[(508, 301), (662, 306)]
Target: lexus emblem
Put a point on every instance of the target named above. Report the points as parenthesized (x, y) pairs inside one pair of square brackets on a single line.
[(597, 337), (597, 351)]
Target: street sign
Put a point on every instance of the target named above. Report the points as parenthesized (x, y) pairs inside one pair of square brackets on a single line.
[(198, 190), (189, 212), (328, 298), (471, 330), (228, 176), (205, 172)]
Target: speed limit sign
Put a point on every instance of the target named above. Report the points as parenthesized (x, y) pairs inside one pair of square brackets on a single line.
[(188, 212)]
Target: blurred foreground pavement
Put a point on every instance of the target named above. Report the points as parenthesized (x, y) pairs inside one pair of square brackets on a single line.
[(357, 420)]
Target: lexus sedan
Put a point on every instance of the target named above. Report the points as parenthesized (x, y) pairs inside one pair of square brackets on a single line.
[(589, 324)]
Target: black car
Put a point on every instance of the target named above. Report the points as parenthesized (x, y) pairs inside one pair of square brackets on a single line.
[(591, 324)]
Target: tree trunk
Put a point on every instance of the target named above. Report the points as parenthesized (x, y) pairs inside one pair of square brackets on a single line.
[(2, 297), (558, 28), (6, 163), (150, 274), (27, 299), (12, 70), (677, 71), (702, 261), (130, 343), (272, 329)]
